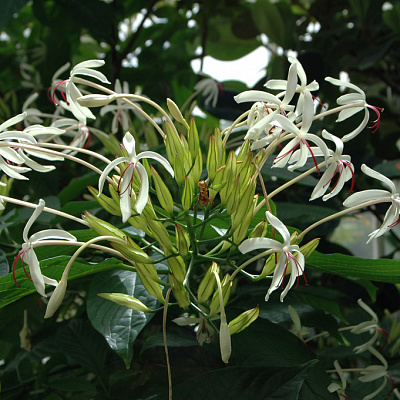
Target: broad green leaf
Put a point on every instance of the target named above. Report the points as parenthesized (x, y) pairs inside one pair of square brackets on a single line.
[(381, 270), (53, 268), (237, 383), (81, 343), (119, 325), (78, 186)]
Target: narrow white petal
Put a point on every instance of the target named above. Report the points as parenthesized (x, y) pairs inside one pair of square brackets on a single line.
[(52, 234), (125, 205), (18, 135), (13, 171), (351, 98), (280, 226), (374, 174), (256, 95), (308, 112), (129, 143), (35, 272), (367, 195), (108, 169), (360, 127), (11, 155), (32, 219), (287, 125), (278, 276), (278, 84), (12, 121), (143, 195), (349, 85), (348, 112), (259, 243), (155, 156)]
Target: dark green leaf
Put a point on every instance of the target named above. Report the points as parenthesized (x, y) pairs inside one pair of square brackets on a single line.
[(7, 10), (118, 324)]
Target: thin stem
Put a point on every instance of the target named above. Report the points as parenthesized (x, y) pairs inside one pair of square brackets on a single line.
[(230, 129), (255, 258), (166, 344), (340, 213), (47, 209)]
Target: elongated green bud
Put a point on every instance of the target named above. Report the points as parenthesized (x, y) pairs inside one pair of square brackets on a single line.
[(246, 169), (149, 278), (187, 194), (177, 267), (160, 233), (193, 139), (163, 194), (208, 283), (269, 266), (226, 285), (151, 136), (176, 113), (173, 144), (245, 202), (309, 248), (182, 240), (217, 185), (241, 231), (106, 202), (197, 169), (243, 320), (230, 174), (125, 300), (212, 158), (220, 147), (179, 170), (233, 200), (179, 291), (260, 230), (101, 227), (244, 150)]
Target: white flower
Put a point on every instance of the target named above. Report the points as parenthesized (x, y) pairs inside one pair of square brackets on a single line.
[(337, 164), (371, 326), (301, 89), (12, 156), (374, 372), (286, 249), (335, 387), (72, 93), (391, 218), (209, 89), (358, 100), (28, 255), (125, 184), (120, 109), (301, 138)]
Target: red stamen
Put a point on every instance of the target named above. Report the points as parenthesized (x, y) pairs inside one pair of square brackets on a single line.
[(59, 85), (319, 101), (391, 387), (131, 180), (377, 122), (20, 254), (281, 157), (312, 155), (394, 223), (386, 336)]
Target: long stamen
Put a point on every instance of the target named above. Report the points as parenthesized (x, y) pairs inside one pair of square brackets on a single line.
[(281, 157), (312, 155), (20, 254), (377, 122), (129, 186), (59, 85)]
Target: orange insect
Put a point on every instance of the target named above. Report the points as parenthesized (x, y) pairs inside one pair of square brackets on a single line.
[(203, 195)]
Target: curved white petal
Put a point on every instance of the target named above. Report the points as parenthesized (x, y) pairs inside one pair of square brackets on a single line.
[(256, 95), (92, 73), (280, 226), (259, 243), (349, 85), (143, 195), (129, 143), (308, 112), (351, 98), (13, 171), (36, 166), (38, 210), (348, 112), (301, 156), (155, 156), (125, 204), (356, 131), (88, 64), (278, 84), (287, 125), (374, 174), (108, 169), (367, 195), (11, 155), (79, 111), (12, 121), (35, 272), (52, 234), (278, 276), (18, 135)]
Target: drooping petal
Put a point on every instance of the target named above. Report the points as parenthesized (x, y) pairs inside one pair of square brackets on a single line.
[(367, 195), (278, 276), (256, 95), (374, 174), (79, 111), (297, 267), (12, 121), (338, 82), (35, 272), (155, 156), (108, 169), (280, 227), (308, 112), (143, 195), (38, 210), (129, 143), (13, 171), (52, 234), (360, 127), (259, 243), (287, 125)]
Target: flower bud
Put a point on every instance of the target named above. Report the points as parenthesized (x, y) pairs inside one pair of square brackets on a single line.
[(246, 169), (269, 266), (207, 284), (241, 231), (176, 266), (179, 170), (220, 147), (233, 203), (95, 100), (309, 248), (176, 113), (244, 150), (179, 291), (230, 174), (173, 144), (212, 158), (193, 139), (125, 300), (163, 194), (225, 340), (217, 185), (243, 320), (132, 251), (160, 233), (106, 202), (182, 240), (149, 278), (187, 194), (57, 297), (226, 286), (260, 230)]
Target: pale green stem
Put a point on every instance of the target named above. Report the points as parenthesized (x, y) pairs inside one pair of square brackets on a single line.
[(340, 213), (47, 209), (166, 344), (125, 96), (234, 125), (255, 258), (287, 184), (189, 99)]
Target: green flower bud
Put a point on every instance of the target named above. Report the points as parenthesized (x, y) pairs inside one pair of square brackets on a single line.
[(176, 113), (230, 174), (160, 233), (187, 194), (182, 240), (260, 230), (245, 203), (208, 283), (193, 139), (179, 170), (163, 194), (244, 150), (243, 320), (125, 300), (177, 267), (217, 185), (226, 285), (220, 147), (151, 136), (132, 251), (106, 202), (173, 144), (212, 158), (180, 293), (309, 248), (149, 278), (233, 201), (101, 227), (241, 231), (269, 266), (246, 169), (197, 169)]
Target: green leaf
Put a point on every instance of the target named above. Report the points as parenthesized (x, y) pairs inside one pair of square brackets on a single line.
[(81, 343), (119, 325), (77, 186), (7, 10), (392, 18), (237, 383), (224, 45), (53, 268), (381, 270)]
